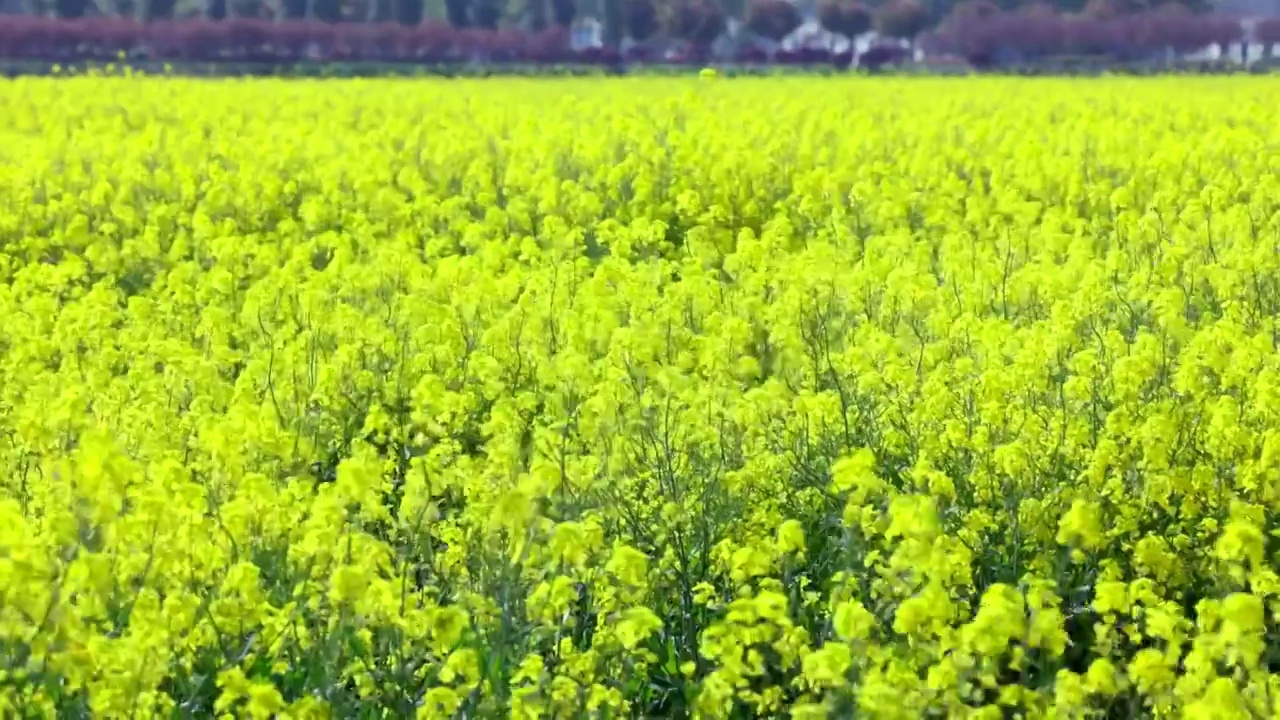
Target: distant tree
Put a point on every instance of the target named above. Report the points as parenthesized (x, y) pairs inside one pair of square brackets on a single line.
[(431, 40), (971, 10), (1103, 9), (1220, 32), (1038, 9), (70, 9), (1030, 33), (1164, 27), (1267, 32), (328, 11), (641, 18), (614, 25), (1112, 9), (188, 9), (1031, 25), (28, 9), (879, 55), (737, 9), (120, 8), (563, 12), (1198, 7), (409, 12), (458, 13), (969, 17), (902, 19), (251, 9), (698, 22), (773, 19), (829, 15), (535, 13), (969, 26), (350, 10), (550, 45), (157, 9), (845, 17), (488, 13)]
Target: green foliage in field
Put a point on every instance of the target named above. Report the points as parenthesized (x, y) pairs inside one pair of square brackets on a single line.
[(662, 398)]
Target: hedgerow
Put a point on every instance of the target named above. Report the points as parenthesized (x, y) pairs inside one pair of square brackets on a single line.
[(647, 398)]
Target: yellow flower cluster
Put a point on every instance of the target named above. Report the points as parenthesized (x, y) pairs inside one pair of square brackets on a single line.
[(777, 397)]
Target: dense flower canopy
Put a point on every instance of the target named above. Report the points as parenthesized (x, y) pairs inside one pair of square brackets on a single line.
[(661, 398)]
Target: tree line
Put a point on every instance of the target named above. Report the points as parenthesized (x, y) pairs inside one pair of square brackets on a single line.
[(981, 31)]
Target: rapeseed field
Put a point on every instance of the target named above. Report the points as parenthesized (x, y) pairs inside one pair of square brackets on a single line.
[(705, 397)]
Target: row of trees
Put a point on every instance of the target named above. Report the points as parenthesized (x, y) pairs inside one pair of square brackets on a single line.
[(982, 31), (696, 21), (403, 28), (106, 39), (638, 19), (984, 34)]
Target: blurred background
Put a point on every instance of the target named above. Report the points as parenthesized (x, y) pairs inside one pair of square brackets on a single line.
[(932, 36)]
